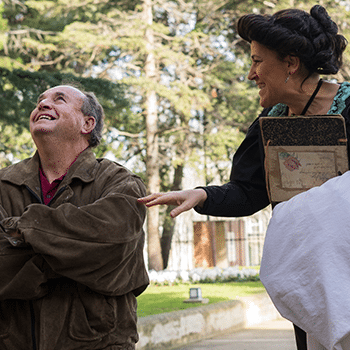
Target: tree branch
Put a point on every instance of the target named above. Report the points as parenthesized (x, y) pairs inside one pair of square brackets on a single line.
[(128, 134), (49, 63), (171, 129)]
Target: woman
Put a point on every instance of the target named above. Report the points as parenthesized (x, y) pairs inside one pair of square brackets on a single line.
[(289, 51)]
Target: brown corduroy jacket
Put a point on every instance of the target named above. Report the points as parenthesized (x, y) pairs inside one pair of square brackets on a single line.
[(72, 282)]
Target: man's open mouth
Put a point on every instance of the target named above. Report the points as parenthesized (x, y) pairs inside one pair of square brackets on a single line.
[(45, 117)]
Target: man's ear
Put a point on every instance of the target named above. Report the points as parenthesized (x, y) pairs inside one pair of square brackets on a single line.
[(293, 63), (89, 124)]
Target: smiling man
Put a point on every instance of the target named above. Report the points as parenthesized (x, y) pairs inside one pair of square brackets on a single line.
[(71, 238), (60, 129)]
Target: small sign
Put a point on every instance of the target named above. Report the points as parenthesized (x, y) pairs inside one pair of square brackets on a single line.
[(196, 296), (195, 293)]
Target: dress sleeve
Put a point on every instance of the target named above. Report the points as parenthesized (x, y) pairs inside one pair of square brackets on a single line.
[(100, 244), (246, 192)]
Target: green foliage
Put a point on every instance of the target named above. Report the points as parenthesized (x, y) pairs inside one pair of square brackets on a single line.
[(205, 102), (15, 145), (19, 91), (69, 36), (3, 27), (3, 21)]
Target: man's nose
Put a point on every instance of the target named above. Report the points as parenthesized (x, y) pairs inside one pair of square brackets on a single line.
[(44, 104)]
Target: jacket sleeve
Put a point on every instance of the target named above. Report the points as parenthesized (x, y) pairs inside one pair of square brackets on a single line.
[(246, 192), (23, 273), (100, 244)]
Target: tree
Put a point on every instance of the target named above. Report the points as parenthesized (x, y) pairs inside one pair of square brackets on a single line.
[(19, 91), (184, 70), (165, 58), (154, 248)]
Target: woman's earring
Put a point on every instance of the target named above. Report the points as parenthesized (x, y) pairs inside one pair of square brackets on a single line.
[(287, 79)]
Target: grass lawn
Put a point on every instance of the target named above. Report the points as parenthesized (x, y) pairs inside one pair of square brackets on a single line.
[(160, 299)]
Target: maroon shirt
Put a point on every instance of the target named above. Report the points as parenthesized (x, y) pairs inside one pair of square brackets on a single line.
[(48, 189)]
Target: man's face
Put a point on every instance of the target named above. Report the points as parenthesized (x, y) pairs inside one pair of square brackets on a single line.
[(58, 113)]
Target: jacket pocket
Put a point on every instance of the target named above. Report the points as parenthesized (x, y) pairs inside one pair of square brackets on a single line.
[(92, 315), (5, 311)]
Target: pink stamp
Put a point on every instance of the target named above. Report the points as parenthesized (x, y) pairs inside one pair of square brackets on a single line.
[(292, 163)]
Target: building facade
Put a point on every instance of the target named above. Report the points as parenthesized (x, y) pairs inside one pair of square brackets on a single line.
[(201, 241)]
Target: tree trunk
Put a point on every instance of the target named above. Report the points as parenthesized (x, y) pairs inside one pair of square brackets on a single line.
[(154, 251), (169, 223)]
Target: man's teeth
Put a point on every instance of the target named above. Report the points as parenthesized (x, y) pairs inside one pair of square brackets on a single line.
[(45, 117)]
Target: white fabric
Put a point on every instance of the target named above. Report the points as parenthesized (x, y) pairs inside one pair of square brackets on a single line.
[(313, 344), (306, 262)]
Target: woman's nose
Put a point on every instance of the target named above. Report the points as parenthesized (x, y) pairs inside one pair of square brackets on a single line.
[(252, 74)]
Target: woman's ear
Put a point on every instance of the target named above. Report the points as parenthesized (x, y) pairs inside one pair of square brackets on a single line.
[(293, 63)]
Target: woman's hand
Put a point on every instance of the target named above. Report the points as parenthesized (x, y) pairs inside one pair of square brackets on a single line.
[(183, 200)]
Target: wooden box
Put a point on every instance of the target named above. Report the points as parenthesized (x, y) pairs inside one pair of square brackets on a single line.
[(302, 152)]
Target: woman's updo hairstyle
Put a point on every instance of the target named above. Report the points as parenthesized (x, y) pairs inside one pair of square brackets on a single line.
[(312, 37)]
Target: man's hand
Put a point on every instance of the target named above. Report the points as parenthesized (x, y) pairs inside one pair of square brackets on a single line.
[(9, 225), (15, 234), (15, 238)]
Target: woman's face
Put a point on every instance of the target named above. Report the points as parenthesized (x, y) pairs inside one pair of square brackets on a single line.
[(269, 73)]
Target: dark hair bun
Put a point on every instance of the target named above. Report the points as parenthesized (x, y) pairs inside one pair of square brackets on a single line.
[(320, 14), (312, 37), (328, 44)]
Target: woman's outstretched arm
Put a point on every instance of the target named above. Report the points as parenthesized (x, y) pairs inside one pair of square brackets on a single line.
[(183, 200)]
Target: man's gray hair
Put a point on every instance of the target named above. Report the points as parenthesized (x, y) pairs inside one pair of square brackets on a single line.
[(91, 107)]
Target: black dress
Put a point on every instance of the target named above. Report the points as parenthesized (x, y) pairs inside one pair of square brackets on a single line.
[(246, 192)]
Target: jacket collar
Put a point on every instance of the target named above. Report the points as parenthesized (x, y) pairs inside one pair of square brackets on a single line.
[(27, 171)]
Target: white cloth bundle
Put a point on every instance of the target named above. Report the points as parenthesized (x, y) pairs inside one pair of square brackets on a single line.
[(306, 263)]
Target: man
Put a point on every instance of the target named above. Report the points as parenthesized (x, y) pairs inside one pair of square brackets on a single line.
[(71, 241)]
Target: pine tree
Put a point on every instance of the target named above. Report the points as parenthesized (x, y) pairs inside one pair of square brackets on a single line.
[(184, 70)]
